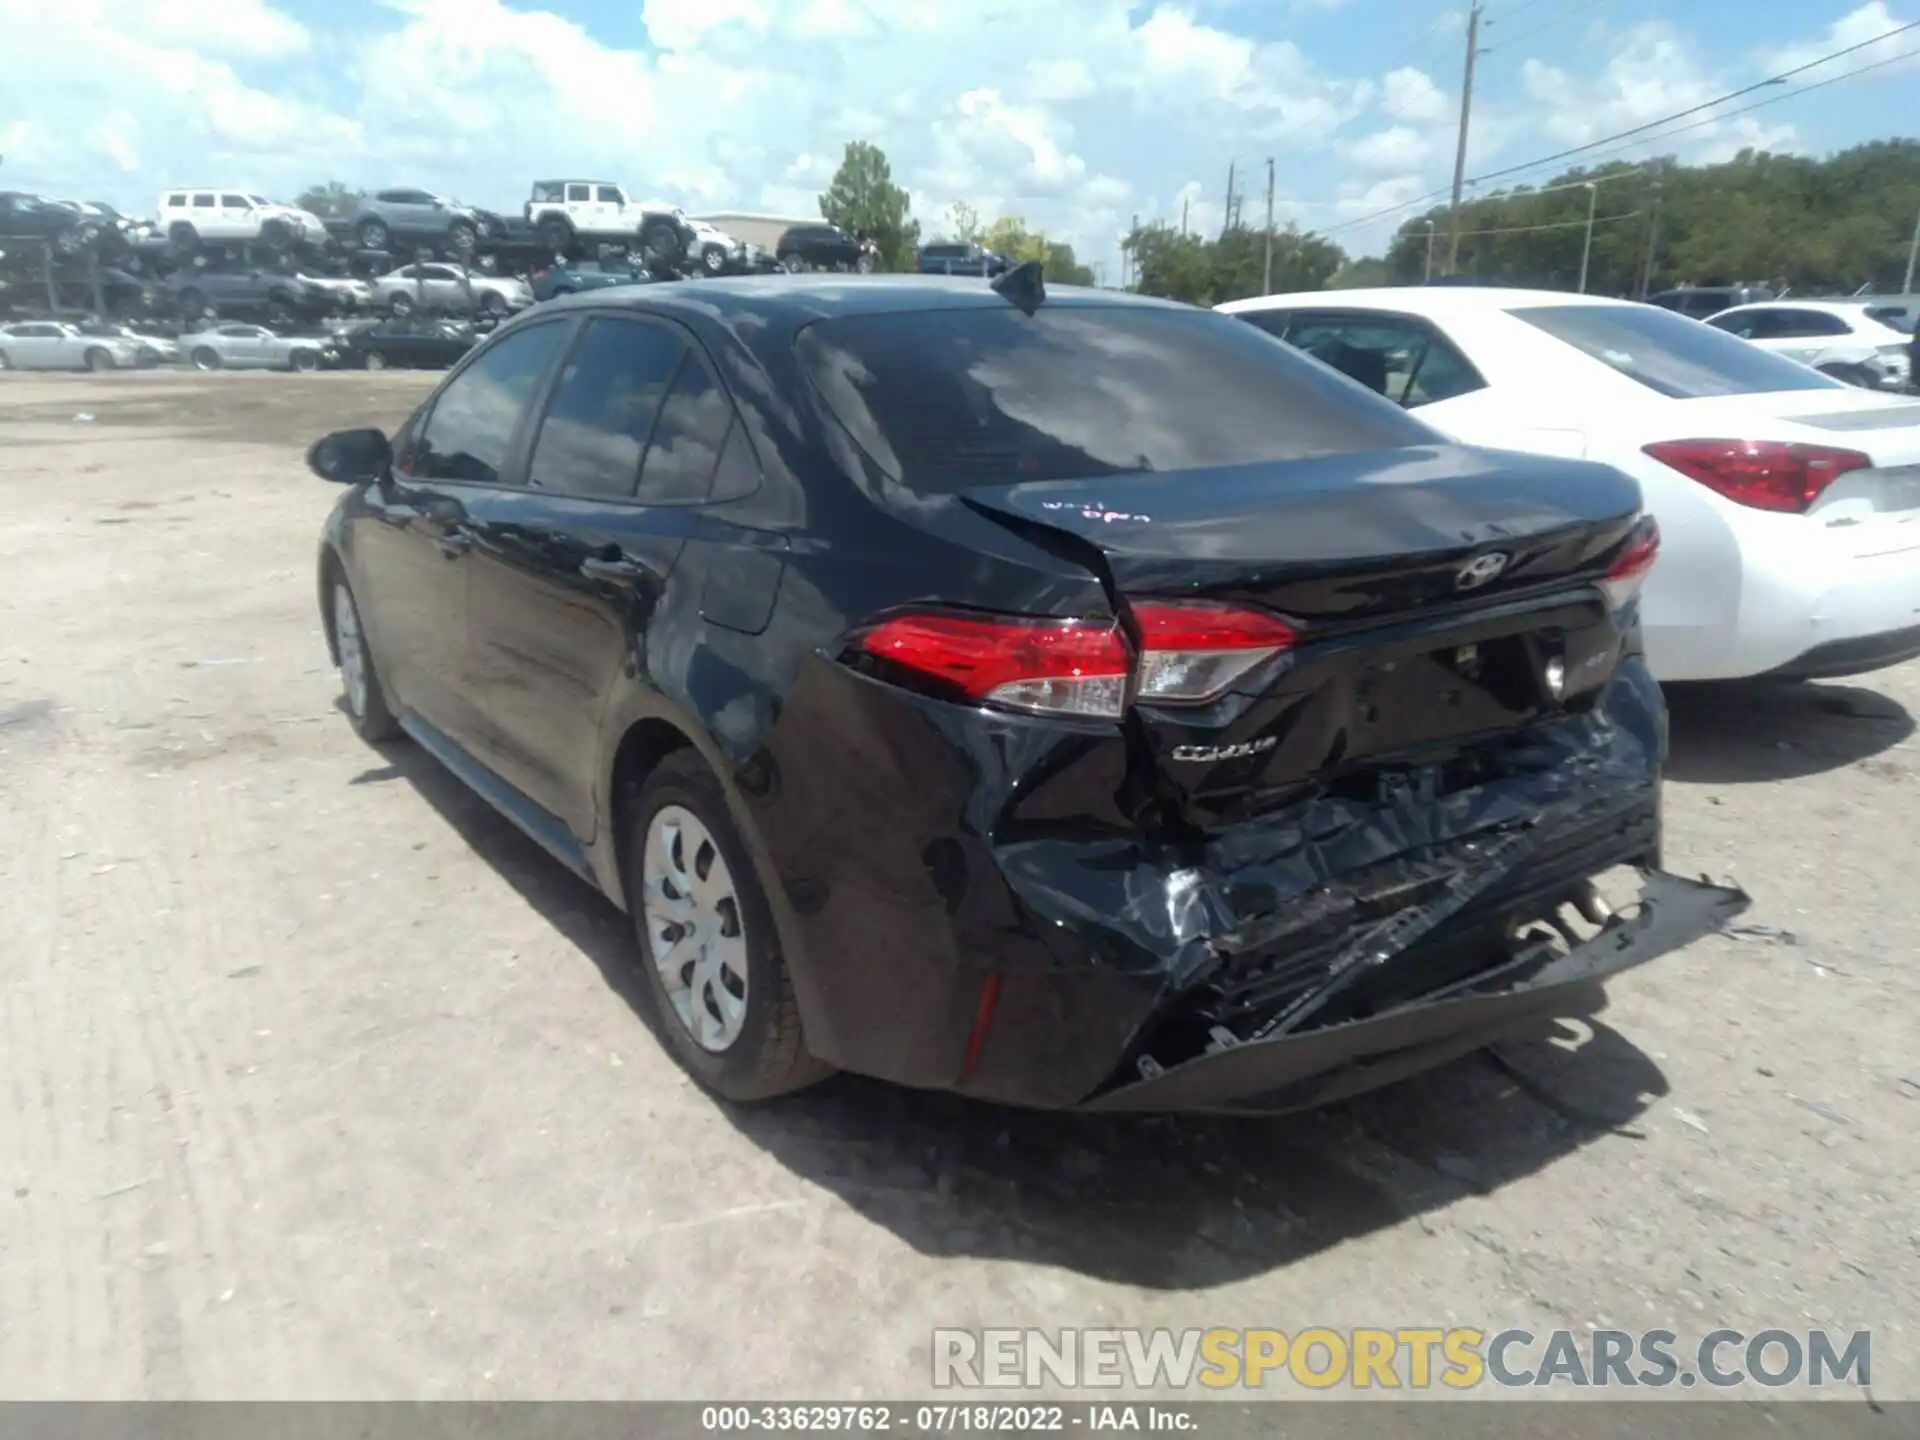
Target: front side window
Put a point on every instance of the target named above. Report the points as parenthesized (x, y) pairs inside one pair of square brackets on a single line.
[(603, 408), (176, 201), (471, 426), (234, 202), (1805, 324), (1741, 323), (607, 194), (1670, 354), (204, 202), (947, 399)]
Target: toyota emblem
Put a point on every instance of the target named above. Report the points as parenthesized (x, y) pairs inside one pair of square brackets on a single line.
[(1481, 570)]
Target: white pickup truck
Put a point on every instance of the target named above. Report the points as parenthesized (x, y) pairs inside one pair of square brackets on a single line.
[(572, 213)]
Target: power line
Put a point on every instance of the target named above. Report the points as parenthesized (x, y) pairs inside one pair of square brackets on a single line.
[(1545, 25), (1650, 125), (1579, 224), (1743, 110), (1696, 109)]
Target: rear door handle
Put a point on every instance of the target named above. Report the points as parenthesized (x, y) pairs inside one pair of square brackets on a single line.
[(454, 543), (620, 572)]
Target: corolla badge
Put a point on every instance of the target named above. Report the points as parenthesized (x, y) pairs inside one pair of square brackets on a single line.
[(1212, 753), (1481, 570)]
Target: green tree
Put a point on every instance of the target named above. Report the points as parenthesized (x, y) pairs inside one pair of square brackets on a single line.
[(1232, 267), (332, 198), (863, 200), (1811, 225)]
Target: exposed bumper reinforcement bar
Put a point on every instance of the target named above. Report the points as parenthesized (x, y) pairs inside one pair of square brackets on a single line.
[(1300, 1070)]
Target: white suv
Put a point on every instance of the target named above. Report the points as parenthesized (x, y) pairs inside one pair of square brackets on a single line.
[(1840, 337), (189, 217), (568, 212)]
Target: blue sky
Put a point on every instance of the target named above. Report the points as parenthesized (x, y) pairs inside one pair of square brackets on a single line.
[(1076, 114)]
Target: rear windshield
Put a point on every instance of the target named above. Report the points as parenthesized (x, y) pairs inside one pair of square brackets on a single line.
[(1669, 353), (944, 399), (1896, 319)]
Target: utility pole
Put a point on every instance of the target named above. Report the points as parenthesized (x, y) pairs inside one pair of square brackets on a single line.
[(1586, 250), (1430, 229), (1266, 272), (1653, 240), (1913, 254), (1460, 152), (1184, 203), (1227, 223)]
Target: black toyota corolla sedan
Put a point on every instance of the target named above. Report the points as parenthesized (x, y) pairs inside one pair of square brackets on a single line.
[(1065, 698)]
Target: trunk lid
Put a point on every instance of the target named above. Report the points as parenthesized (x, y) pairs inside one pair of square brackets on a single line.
[(1413, 639), (1336, 540)]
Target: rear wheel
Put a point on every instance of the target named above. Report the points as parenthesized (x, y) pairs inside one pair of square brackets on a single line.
[(713, 259), (205, 358), (183, 236), (492, 302), (707, 940), (191, 304), (304, 360), (5, 363), (98, 359), (274, 235), (461, 238), (372, 234), (792, 263), (376, 361), (400, 304), (556, 235), (366, 701)]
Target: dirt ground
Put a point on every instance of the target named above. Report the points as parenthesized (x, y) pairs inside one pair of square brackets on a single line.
[(317, 1080)]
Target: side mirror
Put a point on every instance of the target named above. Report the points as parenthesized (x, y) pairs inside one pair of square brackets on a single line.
[(351, 457)]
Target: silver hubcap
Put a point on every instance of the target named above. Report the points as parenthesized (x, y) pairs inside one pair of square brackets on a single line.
[(353, 649), (694, 930)]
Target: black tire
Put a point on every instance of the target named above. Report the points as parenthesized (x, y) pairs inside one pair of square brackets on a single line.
[(461, 238), (375, 360), (370, 716), (183, 237), (274, 235), (792, 263), (190, 303), (372, 234), (492, 302), (5, 363), (400, 303), (713, 259), (769, 1056), (205, 358), (73, 240), (556, 234), (865, 263), (305, 361), (661, 240), (98, 359)]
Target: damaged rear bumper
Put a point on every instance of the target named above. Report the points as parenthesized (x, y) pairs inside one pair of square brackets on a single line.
[(1301, 1070)]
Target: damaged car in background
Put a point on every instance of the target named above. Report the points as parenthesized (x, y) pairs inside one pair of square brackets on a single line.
[(1067, 699)]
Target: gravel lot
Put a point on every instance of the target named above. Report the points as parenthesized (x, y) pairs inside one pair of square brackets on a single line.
[(317, 1080)]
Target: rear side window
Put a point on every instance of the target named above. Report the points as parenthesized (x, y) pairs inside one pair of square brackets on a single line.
[(687, 439), (579, 192), (603, 408), (1400, 358), (607, 194), (944, 399), (1669, 353), (472, 424), (1801, 324), (203, 202), (546, 191)]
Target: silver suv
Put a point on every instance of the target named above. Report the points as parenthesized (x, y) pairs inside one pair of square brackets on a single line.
[(416, 215)]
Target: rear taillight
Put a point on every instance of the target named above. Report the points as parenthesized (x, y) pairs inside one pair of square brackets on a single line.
[(1189, 654), (1761, 474), (1192, 653), (1630, 567)]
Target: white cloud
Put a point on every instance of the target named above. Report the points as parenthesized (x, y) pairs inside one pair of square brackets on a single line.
[(1856, 27), (1401, 147), (1408, 94)]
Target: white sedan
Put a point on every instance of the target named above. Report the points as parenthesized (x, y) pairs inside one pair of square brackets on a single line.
[(1838, 336), (1788, 502)]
